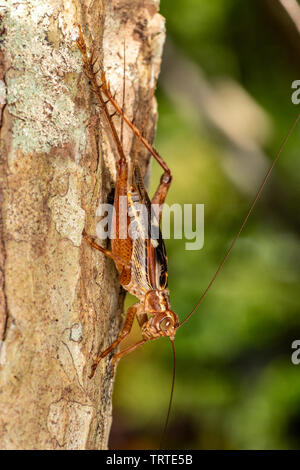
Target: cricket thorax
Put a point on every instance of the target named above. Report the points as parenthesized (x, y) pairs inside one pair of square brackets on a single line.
[(157, 301)]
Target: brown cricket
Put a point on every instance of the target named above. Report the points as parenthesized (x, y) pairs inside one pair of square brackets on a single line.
[(142, 262)]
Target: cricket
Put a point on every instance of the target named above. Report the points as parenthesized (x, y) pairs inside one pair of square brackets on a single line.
[(142, 262), (149, 227)]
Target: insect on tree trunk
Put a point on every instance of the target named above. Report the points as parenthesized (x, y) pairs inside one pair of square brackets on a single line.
[(61, 302)]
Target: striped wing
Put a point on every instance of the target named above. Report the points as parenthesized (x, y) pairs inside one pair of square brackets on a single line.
[(149, 259)]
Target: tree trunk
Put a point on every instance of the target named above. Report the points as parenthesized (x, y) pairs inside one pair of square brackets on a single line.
[(60, 301)]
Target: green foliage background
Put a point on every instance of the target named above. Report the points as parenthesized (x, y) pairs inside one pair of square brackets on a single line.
[(235, 384)]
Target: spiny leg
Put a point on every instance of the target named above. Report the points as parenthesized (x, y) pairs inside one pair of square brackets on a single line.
[(89, 69), (166, 179), (141, 318), (106, 90), (142, 128), (124, 332)]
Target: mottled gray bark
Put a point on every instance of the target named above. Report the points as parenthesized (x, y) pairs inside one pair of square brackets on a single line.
[(60, 302)]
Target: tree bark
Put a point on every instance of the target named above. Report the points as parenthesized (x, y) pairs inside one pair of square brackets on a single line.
[(60, 301)]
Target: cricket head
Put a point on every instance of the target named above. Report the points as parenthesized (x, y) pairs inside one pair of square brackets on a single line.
[(160, 324), (163, 321)]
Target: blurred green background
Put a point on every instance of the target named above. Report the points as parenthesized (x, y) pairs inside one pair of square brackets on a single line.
[(224, 101)]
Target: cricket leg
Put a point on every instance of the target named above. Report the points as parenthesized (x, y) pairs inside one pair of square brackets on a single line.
[(166, 178), (124, 332), (89, 62), (141, 318), (106, 90), (108, 253), (161, 193), (127, 351)]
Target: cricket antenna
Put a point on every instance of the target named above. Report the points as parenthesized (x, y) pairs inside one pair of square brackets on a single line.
[(257, 196), (171, 398)]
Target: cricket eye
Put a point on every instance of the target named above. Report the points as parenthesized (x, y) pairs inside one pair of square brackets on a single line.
[(164, 324)]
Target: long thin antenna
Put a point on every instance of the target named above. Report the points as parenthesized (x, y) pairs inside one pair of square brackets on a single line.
[(171, 398), (257, 196)]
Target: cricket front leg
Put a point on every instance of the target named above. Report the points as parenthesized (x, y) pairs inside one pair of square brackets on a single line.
[(131, 313), (142, 318)]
